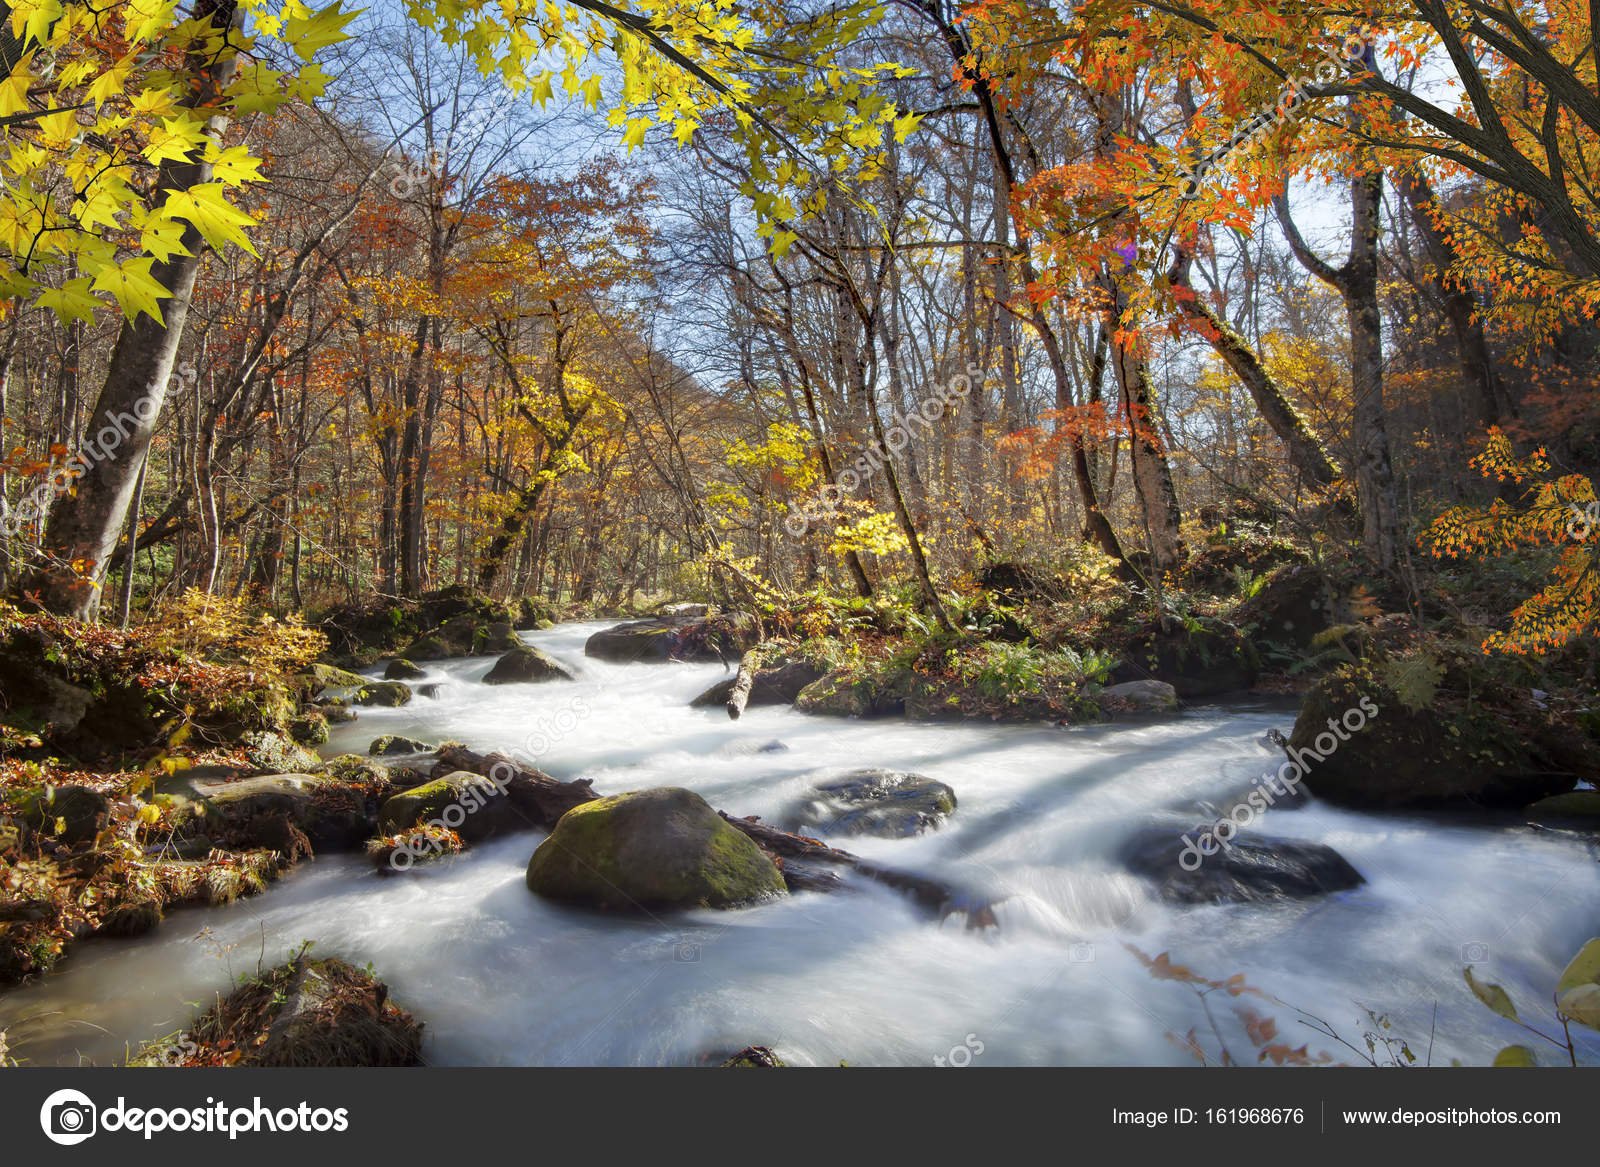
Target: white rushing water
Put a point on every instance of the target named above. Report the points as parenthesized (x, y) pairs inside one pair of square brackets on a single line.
[(504, 978)]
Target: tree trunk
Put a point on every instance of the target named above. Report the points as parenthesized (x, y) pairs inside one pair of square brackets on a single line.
[(85, 526)]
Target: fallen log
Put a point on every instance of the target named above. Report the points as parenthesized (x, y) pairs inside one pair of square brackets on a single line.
[(931, 894), (741, 684)]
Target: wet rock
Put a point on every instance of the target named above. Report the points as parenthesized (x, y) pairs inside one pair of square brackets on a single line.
[(1292, 607), (400, 669), (662, 848), (1247, 870), (467, 803), (336, 712), (662, 638), (322, 677), (526, 665), (754, 1057), (387, 694), (393, 744), (890, 804), (685, 609), (779, 685), (1140, 697)]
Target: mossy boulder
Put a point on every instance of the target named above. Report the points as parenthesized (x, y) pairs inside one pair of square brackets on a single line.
[(778, 684), (755, 1057), (309, 728), (526, 665), (890, 804), (661, 848), (469, 804), (276, 753), (355, 770), (385, 694), (336, 712), (1362, 745), (668, 638), (322, 677), (394, 744), (1576, 810), (400, 669), (842, 693)]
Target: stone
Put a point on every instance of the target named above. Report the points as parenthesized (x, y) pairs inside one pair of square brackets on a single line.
[(393, 744), (651, 849), (1246, 870), (890, 804), (400, 669), (1140, 697), (526, 665), (387, 694)]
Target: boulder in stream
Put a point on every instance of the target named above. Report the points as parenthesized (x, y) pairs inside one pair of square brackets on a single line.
[(664, 638), (779, 685), (400, 669), (1244, 870), (386, 694), (395, 745), (660, 848), (525, 665), (890, 804), (469, 804)]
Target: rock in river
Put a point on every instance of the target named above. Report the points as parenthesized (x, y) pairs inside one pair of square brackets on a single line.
[(661, 848), (1254, 870), (526, 664), (887, 803)]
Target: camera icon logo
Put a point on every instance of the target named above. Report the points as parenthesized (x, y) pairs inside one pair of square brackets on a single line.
[(687, 954), (68, 1117), (1474, 952), (1081, 953)]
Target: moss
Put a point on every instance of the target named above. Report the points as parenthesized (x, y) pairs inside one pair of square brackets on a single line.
[(388, 694)]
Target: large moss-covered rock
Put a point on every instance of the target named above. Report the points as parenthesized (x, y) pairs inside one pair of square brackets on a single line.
[(888, 803), (386, 694), (664, 638), (526, 665), (1294, 604), (400, 669), (322, 677), (662, 848), (843, 694), (1360, 745), (1139, 697)]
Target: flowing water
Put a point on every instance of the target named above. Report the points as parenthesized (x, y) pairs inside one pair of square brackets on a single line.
[(504, 978)]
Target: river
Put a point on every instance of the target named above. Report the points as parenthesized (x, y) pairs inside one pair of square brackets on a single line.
[(864, 976)]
